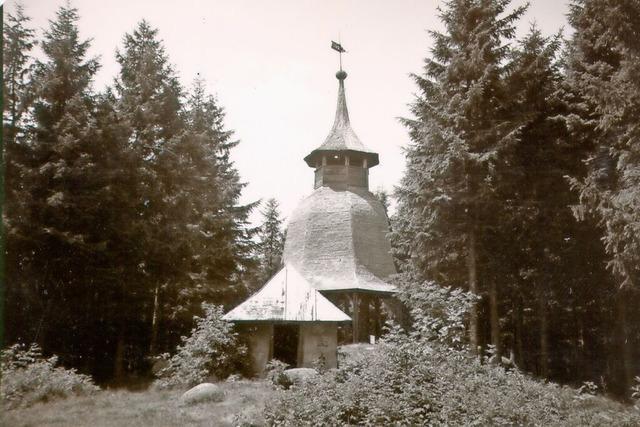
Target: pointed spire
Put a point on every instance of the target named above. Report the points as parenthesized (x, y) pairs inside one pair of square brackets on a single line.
[(342, 113), (342, 137)]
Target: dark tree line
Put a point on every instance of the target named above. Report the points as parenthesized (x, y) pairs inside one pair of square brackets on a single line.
[(122, 210), (122, 214), (523, 186)]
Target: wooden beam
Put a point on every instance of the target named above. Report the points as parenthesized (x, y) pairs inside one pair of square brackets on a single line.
[(355, 317), (364, 318), (376, 321)]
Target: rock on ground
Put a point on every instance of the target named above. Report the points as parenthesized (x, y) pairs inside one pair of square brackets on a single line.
[(353, 352), (298, 376), (205, 392)]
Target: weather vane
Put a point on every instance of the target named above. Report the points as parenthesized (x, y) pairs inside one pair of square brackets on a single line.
[(338, 47)]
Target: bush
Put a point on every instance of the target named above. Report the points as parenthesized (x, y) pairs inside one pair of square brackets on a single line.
[(405, 382), (28, 377), (427, 377), (274, 373), (212, 351), (438, 312)]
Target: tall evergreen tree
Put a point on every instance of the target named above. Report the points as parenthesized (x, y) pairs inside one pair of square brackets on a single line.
[(18, 42), (382, 195), (53, 234), (461, 125), (546, 259), (211, 241), (223, 220), (603, 64), (270, 241), (485, 197), (148, 103)]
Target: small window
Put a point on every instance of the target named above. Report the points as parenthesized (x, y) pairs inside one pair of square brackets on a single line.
[(355, 162), (335, 159)]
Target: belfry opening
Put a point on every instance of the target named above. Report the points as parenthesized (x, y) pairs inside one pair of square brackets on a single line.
[(334, 285)]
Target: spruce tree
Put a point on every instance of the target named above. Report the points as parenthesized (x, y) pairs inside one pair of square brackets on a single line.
[(547, 260), (531, 191), (602, 68), (210, 239), (18, 42), (227, 254), (54, 236), (148, 102), (382, 195), (461, 125), (603, 63), (270, 241)]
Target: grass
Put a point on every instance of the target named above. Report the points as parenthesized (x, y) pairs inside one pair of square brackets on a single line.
[(155, 408), (245, 400)]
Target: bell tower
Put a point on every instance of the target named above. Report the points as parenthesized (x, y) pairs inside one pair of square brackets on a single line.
[(342, 161), (337, 260)]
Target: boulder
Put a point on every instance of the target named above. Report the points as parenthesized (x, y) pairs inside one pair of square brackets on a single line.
[(205, 392), (353, 352), (299, 376)]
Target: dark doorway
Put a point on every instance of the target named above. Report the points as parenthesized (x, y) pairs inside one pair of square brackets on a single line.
[(285, 343)]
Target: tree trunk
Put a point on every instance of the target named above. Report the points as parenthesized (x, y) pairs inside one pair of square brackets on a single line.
[(118, 363), (518, 322), (579, 371), (155, 318), (473, 288), (543, 370), (625, 343), (494, 319)]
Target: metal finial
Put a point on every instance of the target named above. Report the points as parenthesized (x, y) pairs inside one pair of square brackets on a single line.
[(338, 47)]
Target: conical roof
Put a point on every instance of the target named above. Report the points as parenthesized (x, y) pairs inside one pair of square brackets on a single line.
[(287, 297), (337, 240), (342, 137)]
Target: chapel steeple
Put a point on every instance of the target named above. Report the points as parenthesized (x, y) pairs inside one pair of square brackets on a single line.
[(337, 263), (342, 160)]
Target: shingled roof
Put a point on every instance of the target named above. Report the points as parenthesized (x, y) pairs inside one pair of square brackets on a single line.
[(337, 240), (342, 137), (287, 297)]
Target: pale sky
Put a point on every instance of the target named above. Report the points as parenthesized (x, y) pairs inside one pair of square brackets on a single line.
[(271, 67)]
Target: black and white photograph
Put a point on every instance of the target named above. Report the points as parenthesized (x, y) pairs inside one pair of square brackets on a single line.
[(245, 213)]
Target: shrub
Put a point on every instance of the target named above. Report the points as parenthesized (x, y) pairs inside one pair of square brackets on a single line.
[(211, 351), (405, 382), (635, 392), (28, 377), (438, 312), (274, 372), (426, 377)]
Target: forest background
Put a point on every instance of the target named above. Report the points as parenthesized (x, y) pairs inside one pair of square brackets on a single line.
[(123, 208)]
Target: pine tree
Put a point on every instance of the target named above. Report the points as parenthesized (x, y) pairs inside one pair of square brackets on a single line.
[(603, 64), (229, 244), (382, 195), (531, 190), (461, 125), (210, 242), (547, 260), (270, 241), (54, 235), (148, 102), (18, 42)]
